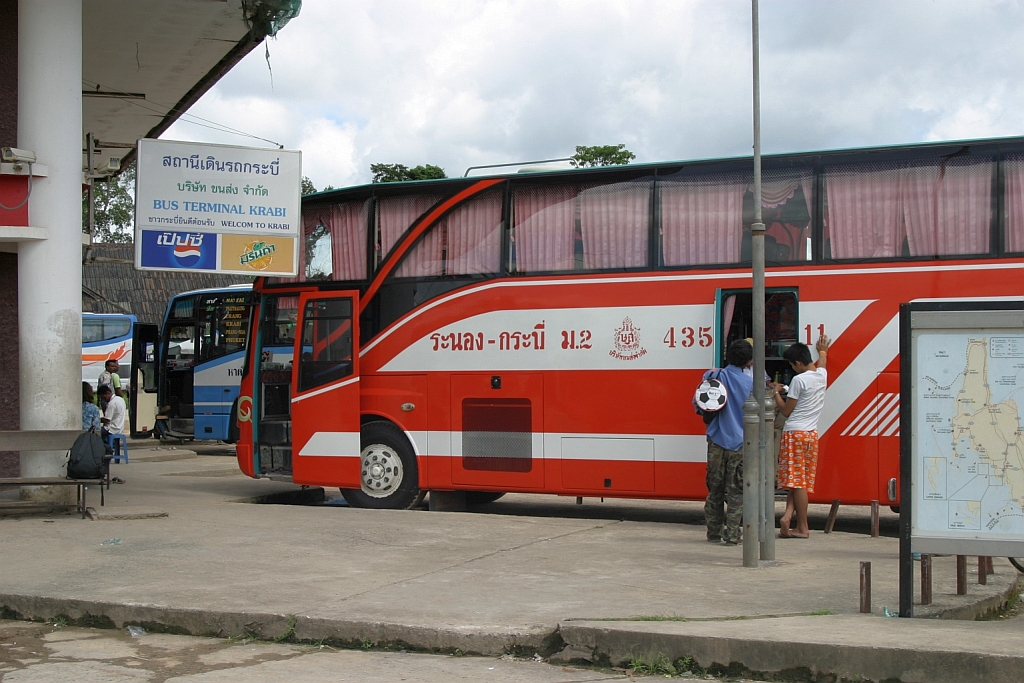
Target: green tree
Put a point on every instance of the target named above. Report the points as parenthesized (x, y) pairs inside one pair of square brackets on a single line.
[(307, 187), (114, 208), (601, 155), (393, 173)]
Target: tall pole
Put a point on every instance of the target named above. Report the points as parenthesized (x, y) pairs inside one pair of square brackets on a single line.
[(766, 534), (751, 481), (91, 187)]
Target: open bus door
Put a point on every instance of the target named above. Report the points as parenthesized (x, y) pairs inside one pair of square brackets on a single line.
[(142, 403), (325, 390)]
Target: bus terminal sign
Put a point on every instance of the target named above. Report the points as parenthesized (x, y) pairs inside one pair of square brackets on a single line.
[(217, 208)]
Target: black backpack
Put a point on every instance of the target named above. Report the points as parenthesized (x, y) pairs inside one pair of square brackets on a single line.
[(85, 459)]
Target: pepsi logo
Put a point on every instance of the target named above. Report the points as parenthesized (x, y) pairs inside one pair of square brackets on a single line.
[(173, 250), (187, 254)]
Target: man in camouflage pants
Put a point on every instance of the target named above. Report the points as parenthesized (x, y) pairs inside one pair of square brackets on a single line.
[(725, 444)]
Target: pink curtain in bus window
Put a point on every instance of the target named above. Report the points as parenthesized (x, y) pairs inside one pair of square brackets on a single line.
[(864, 211), (1013, 170), (614, 220), (426, 258), (396, 214), (702, 220), (348, 240), (474, 236), (776, 193), (310, 219), (948, 207), (728, 308), (545, 220)]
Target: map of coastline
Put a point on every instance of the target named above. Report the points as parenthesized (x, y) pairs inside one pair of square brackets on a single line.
[(970, 439)]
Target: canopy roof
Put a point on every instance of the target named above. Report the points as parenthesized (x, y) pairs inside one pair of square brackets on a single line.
[(146, 63)]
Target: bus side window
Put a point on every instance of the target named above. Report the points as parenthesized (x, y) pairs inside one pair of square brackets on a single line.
[(92, 330)]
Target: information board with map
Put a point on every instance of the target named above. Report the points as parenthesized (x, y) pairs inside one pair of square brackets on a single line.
[(967, 431)]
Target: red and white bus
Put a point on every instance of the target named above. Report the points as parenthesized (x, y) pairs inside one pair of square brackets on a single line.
[(544, 332)]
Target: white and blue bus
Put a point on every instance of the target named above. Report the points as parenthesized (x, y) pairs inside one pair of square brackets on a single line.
[(121, 337), (202, 350)]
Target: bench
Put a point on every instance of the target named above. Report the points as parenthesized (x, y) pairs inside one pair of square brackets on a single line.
[(48, 440), (80, 504)]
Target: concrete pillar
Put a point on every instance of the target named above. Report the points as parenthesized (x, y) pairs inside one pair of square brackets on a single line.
[(50, 270)]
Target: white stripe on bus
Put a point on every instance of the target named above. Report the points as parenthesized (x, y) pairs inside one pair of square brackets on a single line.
[(567, 446), (324, 390), (660, 278)]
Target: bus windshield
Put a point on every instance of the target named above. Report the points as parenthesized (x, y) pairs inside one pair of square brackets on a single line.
[(204, 338)]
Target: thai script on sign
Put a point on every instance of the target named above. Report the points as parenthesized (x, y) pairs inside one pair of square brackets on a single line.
[(182, 239), (257, 251), (475, 341), (211, 163), (513, 341), (178, 220), (458, 341), (190, 186)]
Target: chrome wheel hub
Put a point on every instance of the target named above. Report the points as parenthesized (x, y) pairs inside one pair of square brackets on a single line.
[(381, 471)]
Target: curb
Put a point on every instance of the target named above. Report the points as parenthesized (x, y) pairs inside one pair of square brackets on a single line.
[(767, 659), (703, 645), (719, 646), (283, 628)]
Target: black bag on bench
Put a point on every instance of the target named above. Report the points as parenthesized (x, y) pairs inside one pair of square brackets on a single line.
[(85, 459)]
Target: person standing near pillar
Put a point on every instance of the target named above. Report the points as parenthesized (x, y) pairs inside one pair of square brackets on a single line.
[(110, 378), (798, 454), (723, 509)]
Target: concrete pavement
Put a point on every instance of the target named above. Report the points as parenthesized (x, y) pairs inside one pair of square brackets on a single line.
[(41, 653), (176, 549)]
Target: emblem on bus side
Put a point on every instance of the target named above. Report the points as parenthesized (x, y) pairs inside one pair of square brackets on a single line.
[(244, 408), (627, 342)]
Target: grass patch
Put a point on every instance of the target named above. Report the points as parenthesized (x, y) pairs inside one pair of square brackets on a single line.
[(659, 665), (289, 632)]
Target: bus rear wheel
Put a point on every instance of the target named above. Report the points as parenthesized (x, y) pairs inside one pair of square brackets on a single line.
[(388, 472)]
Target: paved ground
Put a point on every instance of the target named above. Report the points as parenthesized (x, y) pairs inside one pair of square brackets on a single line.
[(41, 653), (180, 550)]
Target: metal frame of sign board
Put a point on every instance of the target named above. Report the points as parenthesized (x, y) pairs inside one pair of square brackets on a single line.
[(915, 319)]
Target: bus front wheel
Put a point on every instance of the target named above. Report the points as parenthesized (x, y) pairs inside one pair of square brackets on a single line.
[(388, 472)]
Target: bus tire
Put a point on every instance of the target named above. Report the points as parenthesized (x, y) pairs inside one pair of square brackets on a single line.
[(482, 497), (233, 424), (390, 477)]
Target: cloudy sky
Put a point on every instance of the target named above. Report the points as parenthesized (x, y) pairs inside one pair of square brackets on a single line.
[(459, 83)]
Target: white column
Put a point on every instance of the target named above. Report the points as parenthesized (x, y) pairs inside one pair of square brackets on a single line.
[(50, 270)]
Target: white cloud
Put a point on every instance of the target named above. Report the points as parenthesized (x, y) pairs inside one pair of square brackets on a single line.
[(466, 82)]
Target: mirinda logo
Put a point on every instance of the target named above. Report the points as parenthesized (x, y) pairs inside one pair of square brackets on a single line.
[(257, 255)]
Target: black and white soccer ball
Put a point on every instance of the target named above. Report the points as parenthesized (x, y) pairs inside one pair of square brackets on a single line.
[(711, 395)]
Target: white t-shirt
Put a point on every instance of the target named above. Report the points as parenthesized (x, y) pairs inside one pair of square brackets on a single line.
[(808, 388), (115, 413)]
